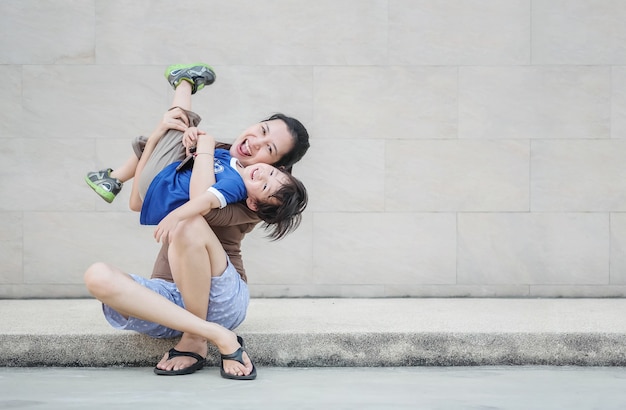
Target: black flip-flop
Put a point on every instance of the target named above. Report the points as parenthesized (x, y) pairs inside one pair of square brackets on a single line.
[(187, 370), (238, 356)]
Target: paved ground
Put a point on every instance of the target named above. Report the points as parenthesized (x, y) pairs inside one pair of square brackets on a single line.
[(277, 388)]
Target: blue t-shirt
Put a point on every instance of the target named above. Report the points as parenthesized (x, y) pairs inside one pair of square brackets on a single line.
[(170, 189)]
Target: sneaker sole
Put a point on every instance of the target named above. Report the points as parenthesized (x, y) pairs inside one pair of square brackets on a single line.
[(106, 195)]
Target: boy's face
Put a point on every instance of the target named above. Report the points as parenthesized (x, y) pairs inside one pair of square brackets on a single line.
[(262, 181), (266, 142)]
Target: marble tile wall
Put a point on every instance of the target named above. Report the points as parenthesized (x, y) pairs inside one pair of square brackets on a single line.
[(460, 148)]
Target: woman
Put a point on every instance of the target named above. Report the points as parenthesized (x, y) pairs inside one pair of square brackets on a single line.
[(190, 257)]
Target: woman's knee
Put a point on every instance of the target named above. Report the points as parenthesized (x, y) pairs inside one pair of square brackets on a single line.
[(99, 278), (191, 232)]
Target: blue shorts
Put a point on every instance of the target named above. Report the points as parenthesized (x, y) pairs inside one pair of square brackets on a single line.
[(228, 303)]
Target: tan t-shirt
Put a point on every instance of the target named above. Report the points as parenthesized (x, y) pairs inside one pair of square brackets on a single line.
[(230, 224)]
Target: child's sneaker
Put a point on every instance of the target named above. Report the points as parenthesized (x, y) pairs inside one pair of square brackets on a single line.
[(104, 185), (198, 75)]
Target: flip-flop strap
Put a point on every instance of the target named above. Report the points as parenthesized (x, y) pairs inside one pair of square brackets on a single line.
[(177, 353), (237, 355)]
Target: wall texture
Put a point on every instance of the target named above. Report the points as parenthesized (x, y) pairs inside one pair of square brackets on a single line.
[(459, 147)]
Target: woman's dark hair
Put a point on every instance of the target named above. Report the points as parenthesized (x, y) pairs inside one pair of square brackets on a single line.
[(284, 217), (300, 141)]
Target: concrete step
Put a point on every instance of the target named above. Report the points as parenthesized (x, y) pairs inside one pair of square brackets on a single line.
[(340, 332)]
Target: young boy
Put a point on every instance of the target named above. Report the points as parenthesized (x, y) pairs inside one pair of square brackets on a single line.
[(276, 196)]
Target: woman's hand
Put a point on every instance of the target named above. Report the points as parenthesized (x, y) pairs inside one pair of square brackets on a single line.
[(167, 225), (175, 119)]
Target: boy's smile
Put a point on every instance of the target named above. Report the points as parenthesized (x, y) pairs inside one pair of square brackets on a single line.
[(262, 181)]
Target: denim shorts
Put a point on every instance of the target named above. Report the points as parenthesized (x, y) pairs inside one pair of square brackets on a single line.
[(228, 303)]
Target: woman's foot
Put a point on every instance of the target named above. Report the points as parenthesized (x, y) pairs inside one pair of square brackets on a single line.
[(238, 357), (230, 352), (173, 353), (178, 363)]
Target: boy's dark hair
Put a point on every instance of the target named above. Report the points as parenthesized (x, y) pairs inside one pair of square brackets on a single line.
[(285, 217)]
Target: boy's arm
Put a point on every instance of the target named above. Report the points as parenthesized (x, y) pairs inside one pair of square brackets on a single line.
[(197, 206), (203, 172)]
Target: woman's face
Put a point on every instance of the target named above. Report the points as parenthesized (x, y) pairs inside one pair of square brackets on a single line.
[(266, 142)]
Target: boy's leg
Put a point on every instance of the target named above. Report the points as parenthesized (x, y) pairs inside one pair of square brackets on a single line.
[(169, 148), (182, 96), (127, 170), (108, 182), (186, 80)]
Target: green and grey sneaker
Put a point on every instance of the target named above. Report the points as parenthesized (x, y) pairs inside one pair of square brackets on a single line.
[(198, 75), (104, 185)]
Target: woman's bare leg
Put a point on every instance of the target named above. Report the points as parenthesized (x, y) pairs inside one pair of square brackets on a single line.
[(118, 290), (195, 256)]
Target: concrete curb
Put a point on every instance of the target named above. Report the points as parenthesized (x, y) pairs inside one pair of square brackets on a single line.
[(340, 332), (336, 350)]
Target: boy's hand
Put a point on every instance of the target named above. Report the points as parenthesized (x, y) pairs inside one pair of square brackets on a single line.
[(167, 225), (190, 137)]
